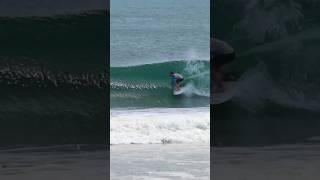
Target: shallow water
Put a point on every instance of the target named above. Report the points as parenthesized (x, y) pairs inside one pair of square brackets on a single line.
[(44, 163), (165, 162), (285, 162)]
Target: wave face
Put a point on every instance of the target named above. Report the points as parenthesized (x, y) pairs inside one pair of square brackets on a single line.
[(53, 83), (149, 85), (277, 45), (160, 125)]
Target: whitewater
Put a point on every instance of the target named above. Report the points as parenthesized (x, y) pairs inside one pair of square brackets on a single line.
[(160, 125)]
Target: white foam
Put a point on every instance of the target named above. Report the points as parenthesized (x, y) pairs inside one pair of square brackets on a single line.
[(197, 70), (160, 125)]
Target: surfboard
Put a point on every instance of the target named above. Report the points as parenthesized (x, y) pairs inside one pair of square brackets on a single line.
[(226, 95), (176, 93)]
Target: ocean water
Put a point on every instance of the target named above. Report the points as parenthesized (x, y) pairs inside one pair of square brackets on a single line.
[(53, 89), (146, 32), (160, 126), (147, 86), (270, 128), (53, 162), (172, 161), (277, 94), (281, 162), (53, 72), (148, 40)]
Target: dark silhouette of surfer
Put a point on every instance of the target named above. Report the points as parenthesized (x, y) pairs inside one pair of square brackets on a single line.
[(221, 53)]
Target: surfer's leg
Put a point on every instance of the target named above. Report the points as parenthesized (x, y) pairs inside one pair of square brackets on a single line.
[(178, 83)]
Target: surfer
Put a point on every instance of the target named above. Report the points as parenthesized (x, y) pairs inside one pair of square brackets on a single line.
[(221, 54), (176, 80)]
